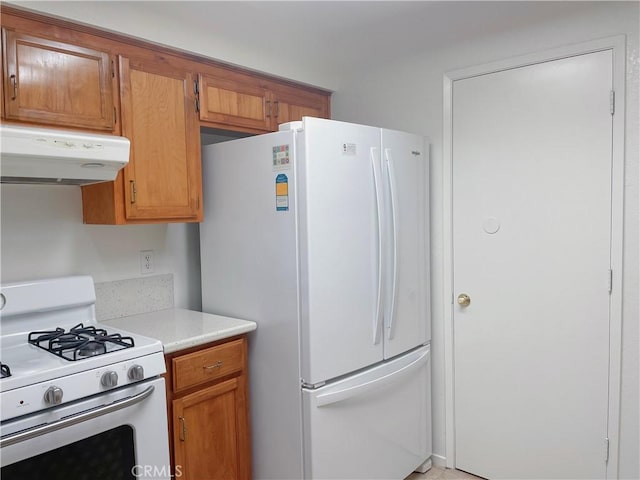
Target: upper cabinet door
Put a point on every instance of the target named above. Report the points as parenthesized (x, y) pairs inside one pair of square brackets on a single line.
[(235, 102), (163, 179), (291, 104), (56, 83)]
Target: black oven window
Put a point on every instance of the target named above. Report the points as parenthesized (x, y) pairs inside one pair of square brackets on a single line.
[(106, 456)]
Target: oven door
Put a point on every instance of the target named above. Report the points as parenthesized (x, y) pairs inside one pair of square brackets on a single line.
[(120, 434)]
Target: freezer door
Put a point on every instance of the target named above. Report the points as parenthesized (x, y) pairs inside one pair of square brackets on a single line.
[(373, 425), (340, 213), (405, 163)]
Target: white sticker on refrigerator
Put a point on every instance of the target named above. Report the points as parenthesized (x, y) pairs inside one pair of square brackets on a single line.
[(348, 148), (281, 160)]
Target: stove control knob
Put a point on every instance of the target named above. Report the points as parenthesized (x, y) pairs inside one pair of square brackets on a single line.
[(109, 379), (53, 396), (136, 373)]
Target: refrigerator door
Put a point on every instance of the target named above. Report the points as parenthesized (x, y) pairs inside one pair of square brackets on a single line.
[(340, 212), (373, 425), (405, 165), (250, 271)]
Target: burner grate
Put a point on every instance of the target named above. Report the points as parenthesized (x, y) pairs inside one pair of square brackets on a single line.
[(79, 342)]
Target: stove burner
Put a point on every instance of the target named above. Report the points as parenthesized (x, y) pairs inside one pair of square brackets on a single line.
[(79, 342), (90, 349), (4, 371)]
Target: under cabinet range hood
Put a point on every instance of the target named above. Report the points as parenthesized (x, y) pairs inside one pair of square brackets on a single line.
[(59, 157)]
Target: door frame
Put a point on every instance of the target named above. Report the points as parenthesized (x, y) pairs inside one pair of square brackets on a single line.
[(617, 44)]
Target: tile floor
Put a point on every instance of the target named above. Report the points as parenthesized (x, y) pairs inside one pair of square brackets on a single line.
[(441, 473)]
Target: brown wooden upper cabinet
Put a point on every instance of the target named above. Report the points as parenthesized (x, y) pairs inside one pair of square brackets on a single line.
[(238, 102), (245, 102), (291, 104), (52, 82), (163, 179)]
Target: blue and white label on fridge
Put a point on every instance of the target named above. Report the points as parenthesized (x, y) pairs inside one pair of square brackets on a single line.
[(282, 192)]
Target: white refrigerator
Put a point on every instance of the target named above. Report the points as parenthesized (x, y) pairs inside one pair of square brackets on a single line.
[(319, 233)]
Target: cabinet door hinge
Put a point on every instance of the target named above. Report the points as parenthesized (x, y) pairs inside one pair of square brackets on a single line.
[(132, 184), (606, 449), (612, 102), (610, 280), (115, 115), (196, 92), (113, 69)]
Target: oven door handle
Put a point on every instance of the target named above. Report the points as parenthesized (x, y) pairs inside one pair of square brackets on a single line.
[(30, 433)]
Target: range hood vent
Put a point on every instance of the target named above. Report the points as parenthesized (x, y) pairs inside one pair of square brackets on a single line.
[(59, 157)]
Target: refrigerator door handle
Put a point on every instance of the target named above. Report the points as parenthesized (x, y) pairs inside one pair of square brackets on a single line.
[(392, 195), (336, 396), (377, 321)]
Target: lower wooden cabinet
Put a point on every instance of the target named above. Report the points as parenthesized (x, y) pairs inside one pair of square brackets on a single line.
[(208, 404)]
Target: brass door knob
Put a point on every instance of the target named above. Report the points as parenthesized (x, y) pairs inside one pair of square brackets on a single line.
[(464, 300)]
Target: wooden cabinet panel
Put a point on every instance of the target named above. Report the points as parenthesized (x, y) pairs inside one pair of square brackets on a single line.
[(209, 413), (249, 103), (234, 102), (206, 365), (163, 178), (56, 83), (210, 437), (62, 74), (292, 104)]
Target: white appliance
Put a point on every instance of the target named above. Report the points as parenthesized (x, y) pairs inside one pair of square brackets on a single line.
[(77, 399), (59, 157), (319, 233)]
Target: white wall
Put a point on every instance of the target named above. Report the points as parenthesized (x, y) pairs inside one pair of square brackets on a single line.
[(407, 95), (42, 235)]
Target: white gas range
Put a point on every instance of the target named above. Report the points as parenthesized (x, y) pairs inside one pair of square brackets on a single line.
[(70, 385)]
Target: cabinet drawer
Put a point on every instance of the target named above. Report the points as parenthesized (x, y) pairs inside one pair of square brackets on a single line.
[(209, 364)]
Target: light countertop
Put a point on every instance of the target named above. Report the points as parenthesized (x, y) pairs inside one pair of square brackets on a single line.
[(178, 328)]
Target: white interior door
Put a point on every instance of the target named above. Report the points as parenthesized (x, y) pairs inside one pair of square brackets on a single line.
[(405, 174), (531, 248)]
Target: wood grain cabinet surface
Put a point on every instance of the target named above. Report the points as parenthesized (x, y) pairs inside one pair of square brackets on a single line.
[(62, 74), (240, 101), (254, 105), (163, 178), (208, 407), (57, 83), (291, 104)]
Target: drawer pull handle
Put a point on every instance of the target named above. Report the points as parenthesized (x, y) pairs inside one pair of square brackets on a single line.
[(218, 364)]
